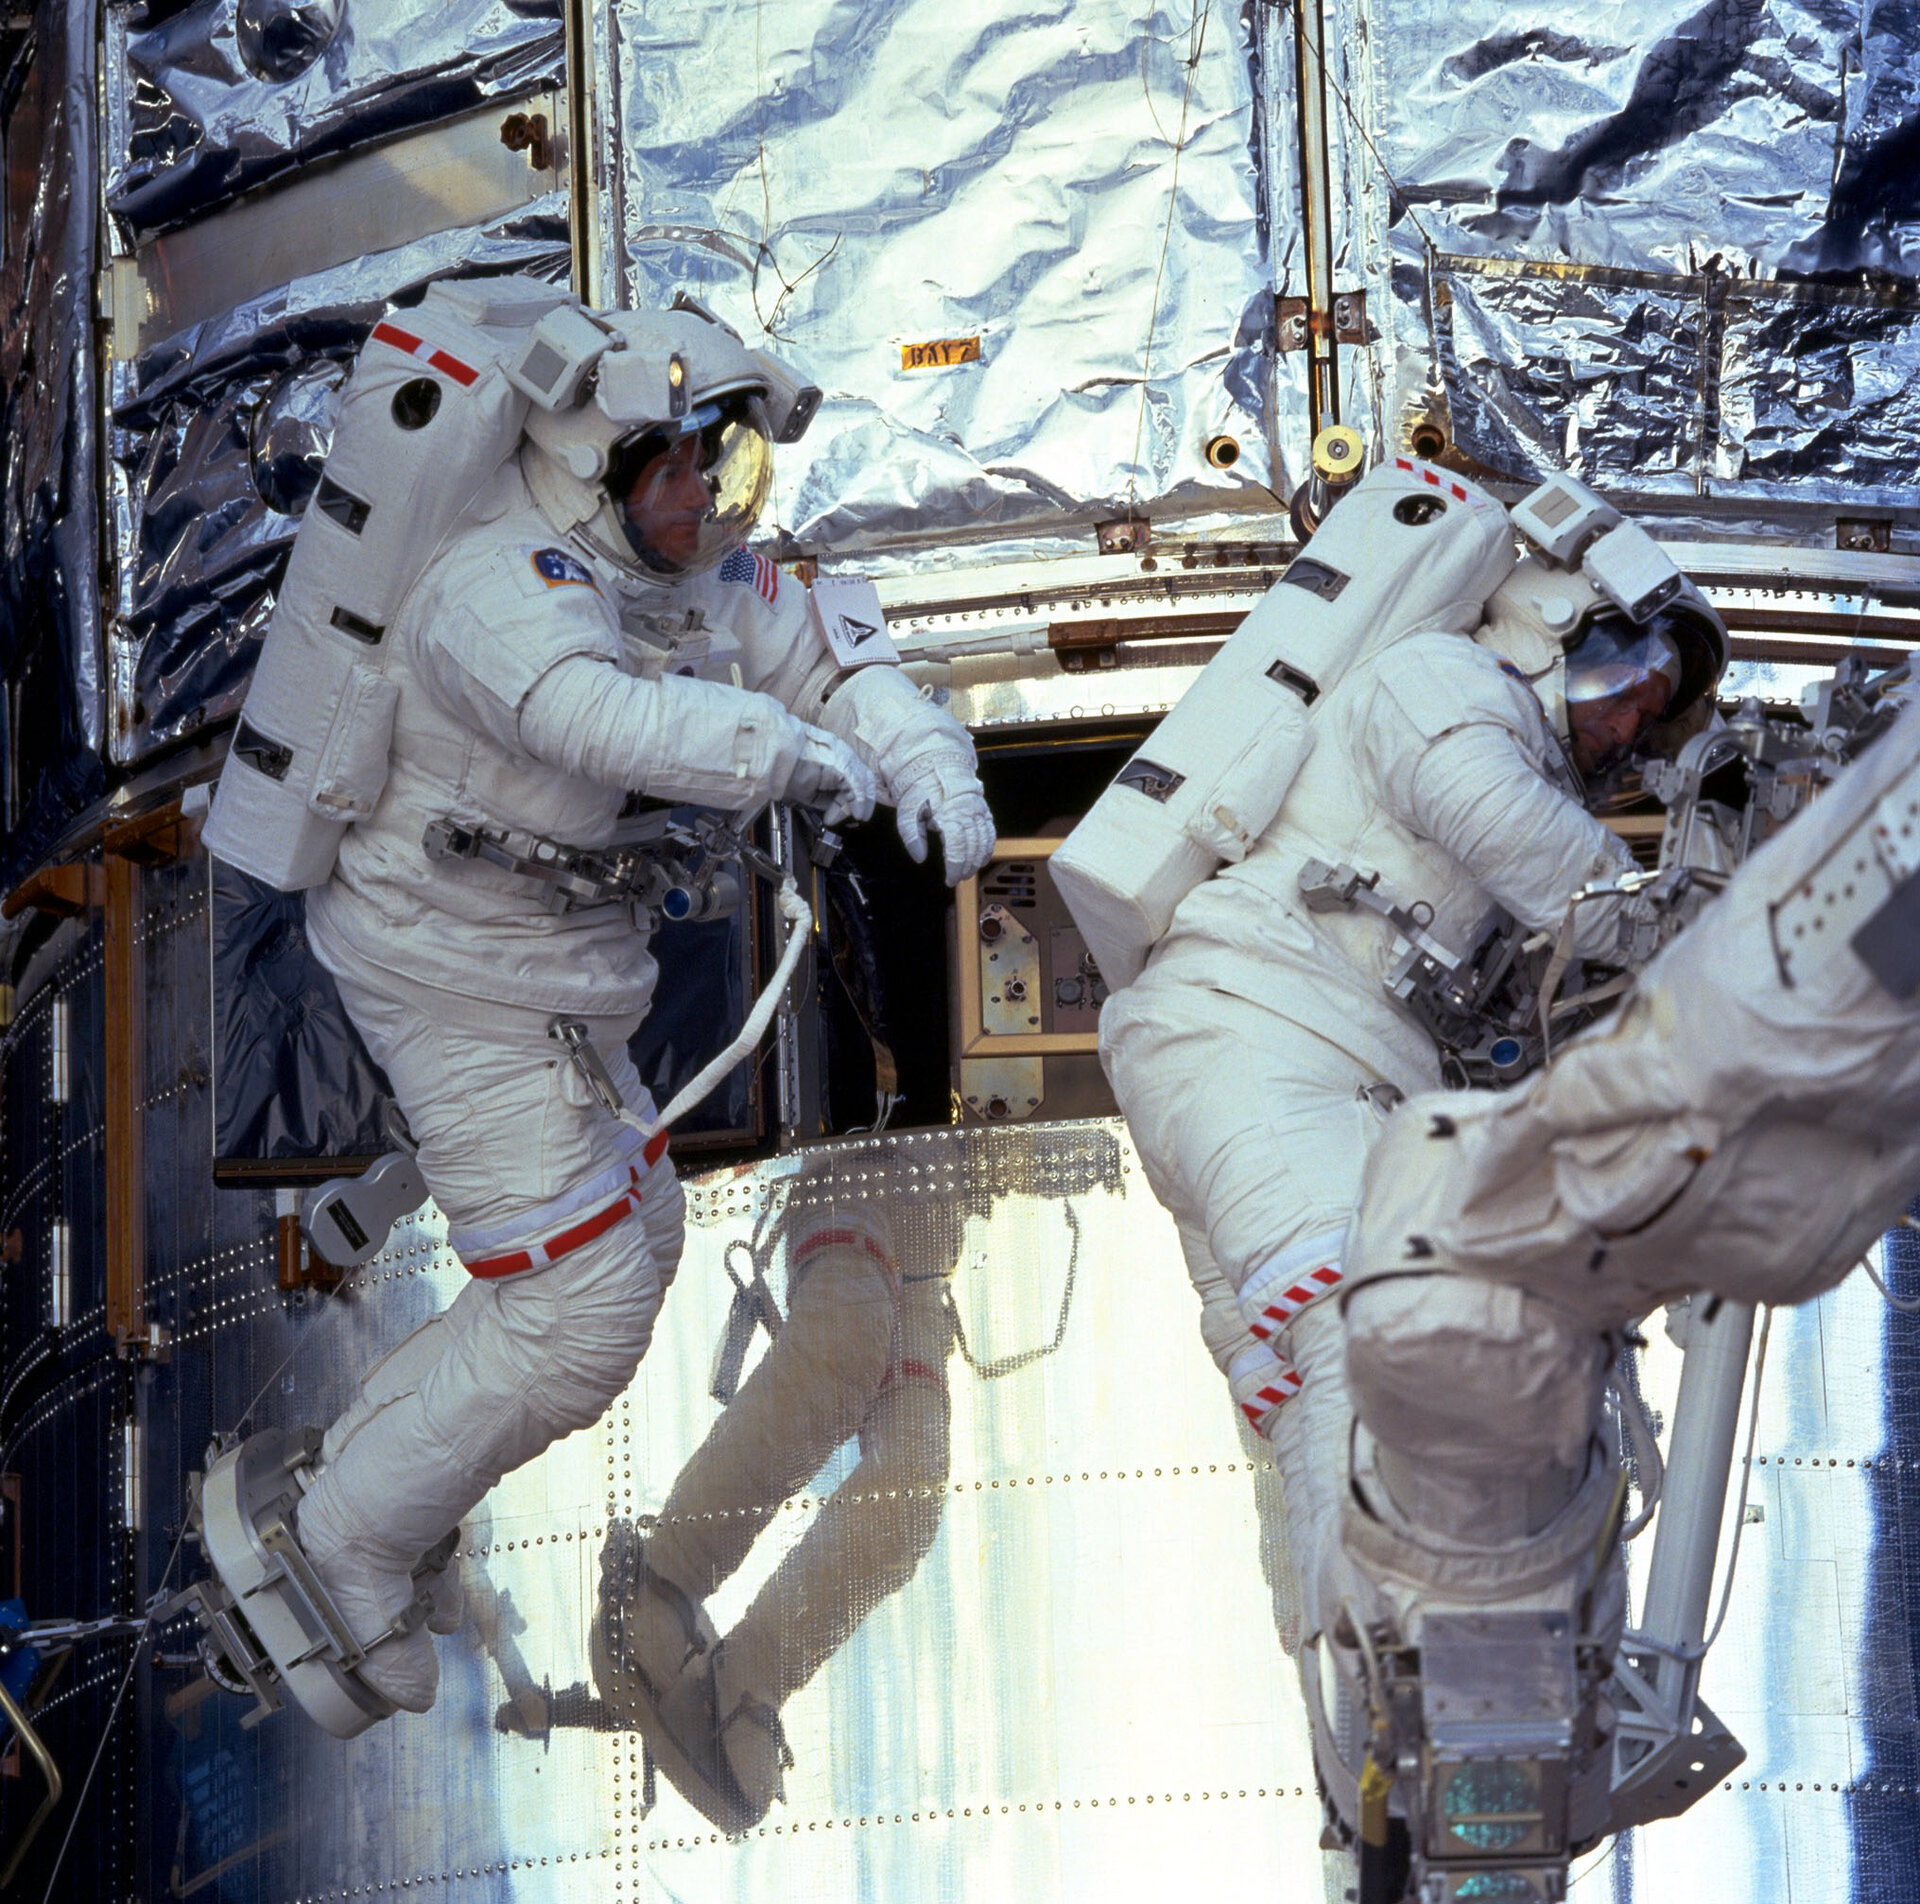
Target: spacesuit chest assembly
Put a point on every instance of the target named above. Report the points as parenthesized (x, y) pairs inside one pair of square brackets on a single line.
[(1356, 863)]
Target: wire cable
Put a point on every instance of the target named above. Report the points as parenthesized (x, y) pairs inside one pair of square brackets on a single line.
[(1196, 42)]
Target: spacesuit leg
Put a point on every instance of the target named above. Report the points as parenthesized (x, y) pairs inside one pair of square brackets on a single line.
[(519, 1156), (1253, 1131), (865, 1544), (807, 1395), (522, 1363), (396, 1374)]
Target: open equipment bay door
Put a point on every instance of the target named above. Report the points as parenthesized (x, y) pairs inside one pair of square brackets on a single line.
[(1083, 287)]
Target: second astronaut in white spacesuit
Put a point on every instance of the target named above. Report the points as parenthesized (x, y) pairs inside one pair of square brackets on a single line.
[(593, 628), (1259, 1053)]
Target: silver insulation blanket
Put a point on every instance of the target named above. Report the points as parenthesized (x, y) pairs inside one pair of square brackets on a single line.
[(1072, 189), (50, 645), (216, 443), (220, 96), (1617, 245)]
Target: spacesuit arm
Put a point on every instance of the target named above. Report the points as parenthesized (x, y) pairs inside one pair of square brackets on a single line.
[(923, 756), (1476, 790), (676, 738), (877, 711)]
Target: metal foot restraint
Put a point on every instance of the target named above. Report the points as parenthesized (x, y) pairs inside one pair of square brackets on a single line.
[(269, 1626)]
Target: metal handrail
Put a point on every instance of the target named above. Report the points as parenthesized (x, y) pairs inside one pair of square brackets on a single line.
[(44, 1758)]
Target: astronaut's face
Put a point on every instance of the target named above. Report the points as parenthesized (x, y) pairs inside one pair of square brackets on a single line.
[(1603, 730), (668, 501)]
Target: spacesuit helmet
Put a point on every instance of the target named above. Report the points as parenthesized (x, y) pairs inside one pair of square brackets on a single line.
[(1587, 658), (1623, 678), (654, 443)]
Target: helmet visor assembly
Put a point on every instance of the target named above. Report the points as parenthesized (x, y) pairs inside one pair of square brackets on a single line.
[(1624, 678), (686, 494), (1617, 660)]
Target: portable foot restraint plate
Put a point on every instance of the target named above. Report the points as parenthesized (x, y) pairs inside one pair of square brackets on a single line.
[(271, 1627)]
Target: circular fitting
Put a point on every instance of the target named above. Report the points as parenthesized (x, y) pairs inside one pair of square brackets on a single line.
[(1559, 613), (1339, 455), (416, 403), (1223, 451), (1427, 439)]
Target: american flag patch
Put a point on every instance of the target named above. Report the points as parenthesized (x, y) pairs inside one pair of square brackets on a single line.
[(755, 571)]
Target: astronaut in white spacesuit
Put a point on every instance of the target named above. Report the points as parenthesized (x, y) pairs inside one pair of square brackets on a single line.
[(1258, 1055), (594, 628)]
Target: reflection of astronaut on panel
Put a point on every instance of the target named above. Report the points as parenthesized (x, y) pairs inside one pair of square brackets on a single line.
[(590, 630), (1403, 820), (861, 1352)]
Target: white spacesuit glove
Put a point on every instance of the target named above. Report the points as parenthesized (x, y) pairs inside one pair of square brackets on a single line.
[(831, 775), (939, 791)]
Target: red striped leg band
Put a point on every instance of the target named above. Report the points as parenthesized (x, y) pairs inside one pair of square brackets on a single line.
[(1280, 1308), (576, 1235), (842, 1239), (1284, 1386)]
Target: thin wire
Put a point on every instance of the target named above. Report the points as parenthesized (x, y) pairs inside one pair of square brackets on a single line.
[(1196, 42), (1386, 171), (113, 1712), (1907, 1305), (139, 1645)]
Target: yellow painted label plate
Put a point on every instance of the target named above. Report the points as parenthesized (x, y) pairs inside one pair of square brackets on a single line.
[(940, 352)]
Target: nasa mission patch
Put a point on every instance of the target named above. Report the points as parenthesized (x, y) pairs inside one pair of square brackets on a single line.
[(558, 569)]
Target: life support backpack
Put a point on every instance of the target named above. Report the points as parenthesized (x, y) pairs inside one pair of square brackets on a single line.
[(427, 417), (1408, 549)]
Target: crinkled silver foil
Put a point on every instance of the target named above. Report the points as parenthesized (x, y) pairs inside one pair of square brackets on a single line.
[(219, 97), (48, 509), (1551, 373), (1584, 239), (213, 429), (1647, 136), (1819, 398), (1077, 189)]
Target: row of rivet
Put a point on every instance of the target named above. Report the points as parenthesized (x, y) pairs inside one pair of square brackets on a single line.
[(254, 1251), (160, 920), (806, 1503), (58, 1403), (454, 1876), (934, 1815), (1833, 1461), (46, 1342)]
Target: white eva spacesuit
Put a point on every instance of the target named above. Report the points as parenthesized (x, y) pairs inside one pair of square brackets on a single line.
[(591, 628), (1258, 1055)]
